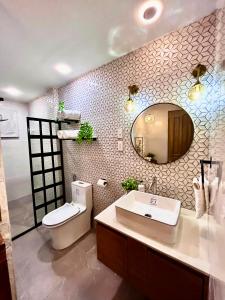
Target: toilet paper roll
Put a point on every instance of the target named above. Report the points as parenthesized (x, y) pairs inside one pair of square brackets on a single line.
[(102, 182)]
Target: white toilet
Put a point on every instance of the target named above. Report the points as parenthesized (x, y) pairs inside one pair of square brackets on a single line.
[(72, 220)]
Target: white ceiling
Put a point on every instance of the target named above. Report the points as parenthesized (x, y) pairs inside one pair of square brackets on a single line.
[(85, 34)]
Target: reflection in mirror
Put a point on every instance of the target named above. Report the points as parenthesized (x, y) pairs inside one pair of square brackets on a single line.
[(162, 133)]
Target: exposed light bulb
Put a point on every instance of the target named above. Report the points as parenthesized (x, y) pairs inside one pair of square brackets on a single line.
[(149, 118), (196, 92), (129, 105)]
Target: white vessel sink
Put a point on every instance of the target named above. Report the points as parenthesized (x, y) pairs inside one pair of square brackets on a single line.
[(150, 215)]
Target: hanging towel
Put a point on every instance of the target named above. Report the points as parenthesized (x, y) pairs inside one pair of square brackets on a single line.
[(213, 188), (201, 196), (71, 115), (67, 134), (206, 191)]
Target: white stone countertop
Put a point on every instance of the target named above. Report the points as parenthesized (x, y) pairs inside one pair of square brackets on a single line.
[(191, 247)]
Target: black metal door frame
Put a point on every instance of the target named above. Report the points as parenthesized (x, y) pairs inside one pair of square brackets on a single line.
[(43, 171), (41, 137)]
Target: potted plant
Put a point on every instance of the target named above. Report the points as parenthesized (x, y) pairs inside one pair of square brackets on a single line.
[(61, 108), (129, 184), (85, 133)]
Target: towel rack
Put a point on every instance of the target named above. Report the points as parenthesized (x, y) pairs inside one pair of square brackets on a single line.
[(210, 162)]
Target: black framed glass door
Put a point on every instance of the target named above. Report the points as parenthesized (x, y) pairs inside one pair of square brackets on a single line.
[(46, 166)]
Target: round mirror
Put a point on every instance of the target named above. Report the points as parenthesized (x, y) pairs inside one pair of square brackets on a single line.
[(162, 133)]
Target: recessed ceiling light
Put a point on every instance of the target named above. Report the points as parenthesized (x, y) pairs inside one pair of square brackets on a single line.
[(63, 68), (12, 91), (150, 11)]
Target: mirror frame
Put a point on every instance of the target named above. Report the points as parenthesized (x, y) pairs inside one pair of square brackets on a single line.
[(144, 111)]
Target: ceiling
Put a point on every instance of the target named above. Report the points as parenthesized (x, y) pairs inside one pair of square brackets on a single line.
[(36, 35)]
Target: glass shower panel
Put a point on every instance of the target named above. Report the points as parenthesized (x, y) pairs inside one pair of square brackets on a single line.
[(38, 181), (217, 151), (48, 162), (34, 128), (50, 194), (45, 128), (57, 161), (46, 171), (59, 191), (56, 145), (51, 207), (39, 198), (46, 145), (49, 178), (40, 213), (58, 176), (35, 146), (36, 164)]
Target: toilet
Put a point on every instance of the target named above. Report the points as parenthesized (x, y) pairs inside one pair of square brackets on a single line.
[(69, 222)]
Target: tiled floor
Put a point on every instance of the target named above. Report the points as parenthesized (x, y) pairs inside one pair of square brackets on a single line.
[(71, 274), (21, 214)]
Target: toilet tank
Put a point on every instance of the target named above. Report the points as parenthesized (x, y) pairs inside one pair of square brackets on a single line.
[(82, 193)]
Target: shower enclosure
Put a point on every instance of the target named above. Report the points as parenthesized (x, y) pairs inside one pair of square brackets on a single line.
[(35, 177)]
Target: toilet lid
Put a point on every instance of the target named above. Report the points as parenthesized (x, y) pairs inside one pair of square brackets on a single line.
[(61, 214)]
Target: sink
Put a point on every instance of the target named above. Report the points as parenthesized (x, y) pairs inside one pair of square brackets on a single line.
[(151, 215)]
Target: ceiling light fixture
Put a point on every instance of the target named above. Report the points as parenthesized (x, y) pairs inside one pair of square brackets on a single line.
[(130, 104), (12, 91), (197, 90), (150, 11), (63, 68)]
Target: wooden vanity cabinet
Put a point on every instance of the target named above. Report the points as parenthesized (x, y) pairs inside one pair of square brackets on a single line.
[(154, 274), (5, 291), (112, 249)]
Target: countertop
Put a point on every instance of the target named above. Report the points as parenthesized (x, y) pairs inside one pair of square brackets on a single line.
[(191, 247)]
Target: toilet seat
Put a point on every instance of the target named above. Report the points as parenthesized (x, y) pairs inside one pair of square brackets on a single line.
[(62, 214)]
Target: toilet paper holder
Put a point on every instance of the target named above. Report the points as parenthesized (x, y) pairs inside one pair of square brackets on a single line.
[(102, 182)]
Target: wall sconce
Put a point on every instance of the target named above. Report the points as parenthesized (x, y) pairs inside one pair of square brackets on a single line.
[(130, 104), (198, 89), (149, 118)]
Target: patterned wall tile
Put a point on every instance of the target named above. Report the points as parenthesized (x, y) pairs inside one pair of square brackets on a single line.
[(162, 70)]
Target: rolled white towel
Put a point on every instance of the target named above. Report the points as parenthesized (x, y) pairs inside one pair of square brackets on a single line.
[(200, 202), (69, 114), (67, 134)]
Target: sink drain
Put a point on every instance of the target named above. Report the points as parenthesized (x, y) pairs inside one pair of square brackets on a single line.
[(148, 215)]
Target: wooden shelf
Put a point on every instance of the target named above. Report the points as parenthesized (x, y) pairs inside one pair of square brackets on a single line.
[(94, 139), (68, 121)]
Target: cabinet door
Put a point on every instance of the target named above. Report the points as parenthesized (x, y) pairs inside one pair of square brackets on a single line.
[(112, 249), (136, 264), (5, 292), (170, 280)]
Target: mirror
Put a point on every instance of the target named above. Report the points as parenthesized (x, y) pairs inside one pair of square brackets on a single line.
[(162, 133)]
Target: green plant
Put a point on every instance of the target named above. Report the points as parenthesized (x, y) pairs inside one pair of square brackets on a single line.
[(61, 106), (85, 133), (130, 184)]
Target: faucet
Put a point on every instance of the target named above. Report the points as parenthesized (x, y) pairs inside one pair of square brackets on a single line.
[(153, 186)]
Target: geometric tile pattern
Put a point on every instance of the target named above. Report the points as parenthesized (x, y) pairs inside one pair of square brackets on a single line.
[(162, 69)]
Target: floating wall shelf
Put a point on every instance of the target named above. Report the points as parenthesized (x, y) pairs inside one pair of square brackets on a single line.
[(68, 121), (94, 139)]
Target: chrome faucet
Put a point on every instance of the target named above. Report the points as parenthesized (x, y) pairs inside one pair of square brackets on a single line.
[(153, 186)]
